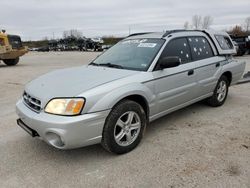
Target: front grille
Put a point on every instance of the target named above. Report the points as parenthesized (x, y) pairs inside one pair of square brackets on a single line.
[(33, 103)]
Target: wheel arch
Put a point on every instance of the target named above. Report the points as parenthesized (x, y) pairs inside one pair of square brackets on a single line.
[(228, 74), (141, 100)]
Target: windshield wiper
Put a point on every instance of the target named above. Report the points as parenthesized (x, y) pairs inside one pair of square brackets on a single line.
[(94, 64), (111, 65)]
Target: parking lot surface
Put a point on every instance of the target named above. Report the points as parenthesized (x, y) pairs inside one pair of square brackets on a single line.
[(198, 146)]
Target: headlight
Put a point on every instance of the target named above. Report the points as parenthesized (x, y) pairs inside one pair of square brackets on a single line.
[(67, 106)]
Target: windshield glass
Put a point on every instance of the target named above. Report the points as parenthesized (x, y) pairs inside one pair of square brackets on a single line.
[(133, 54)]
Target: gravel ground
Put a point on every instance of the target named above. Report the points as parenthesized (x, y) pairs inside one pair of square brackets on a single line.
[(197, 146)]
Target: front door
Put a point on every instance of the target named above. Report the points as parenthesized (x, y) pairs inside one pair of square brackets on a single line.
[(175, 86)]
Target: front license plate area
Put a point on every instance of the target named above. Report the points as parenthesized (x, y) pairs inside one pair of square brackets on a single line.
[(30, 131)]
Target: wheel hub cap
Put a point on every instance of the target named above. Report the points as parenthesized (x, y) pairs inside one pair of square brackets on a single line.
[(221, 91), (127, 128)]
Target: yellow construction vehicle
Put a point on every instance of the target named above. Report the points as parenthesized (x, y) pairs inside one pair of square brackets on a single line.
[(11, 48)]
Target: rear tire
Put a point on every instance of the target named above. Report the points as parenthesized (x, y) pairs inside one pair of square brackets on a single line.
[(220, 92), (11, 62), (124, 127)]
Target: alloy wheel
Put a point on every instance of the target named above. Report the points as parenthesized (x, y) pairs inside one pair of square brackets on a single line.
[(221, 91), (127, 128)]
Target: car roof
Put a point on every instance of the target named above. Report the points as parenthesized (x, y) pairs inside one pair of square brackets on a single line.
[(212, 35), (165, 34), (146, 35), (179, 32)]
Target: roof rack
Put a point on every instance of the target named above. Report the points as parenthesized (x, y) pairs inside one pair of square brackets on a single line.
[(177, 31), (135, 34), (169, 32)]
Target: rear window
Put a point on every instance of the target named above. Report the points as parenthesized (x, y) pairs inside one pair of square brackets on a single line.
[(224, 42)]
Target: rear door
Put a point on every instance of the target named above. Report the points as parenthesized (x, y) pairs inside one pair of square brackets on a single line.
[(208, 66), (175, 86)]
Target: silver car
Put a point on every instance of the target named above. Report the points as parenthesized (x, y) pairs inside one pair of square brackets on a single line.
[(142, 78)]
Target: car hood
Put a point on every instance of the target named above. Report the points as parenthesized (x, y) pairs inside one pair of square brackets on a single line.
[(73, 81)]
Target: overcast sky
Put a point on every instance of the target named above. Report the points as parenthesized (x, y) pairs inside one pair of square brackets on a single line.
[(35, 19)]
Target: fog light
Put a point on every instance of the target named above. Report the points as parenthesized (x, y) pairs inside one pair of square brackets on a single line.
[(54, 139)]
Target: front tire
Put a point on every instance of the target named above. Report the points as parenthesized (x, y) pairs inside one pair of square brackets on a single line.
[(220, 92), (124, 127), (11, 62)]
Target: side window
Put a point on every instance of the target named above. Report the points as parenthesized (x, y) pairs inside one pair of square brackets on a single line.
[(178, 47), (200, 48), (224, 42)]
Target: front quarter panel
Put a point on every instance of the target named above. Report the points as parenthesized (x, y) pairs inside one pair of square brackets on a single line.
[(112, 97)]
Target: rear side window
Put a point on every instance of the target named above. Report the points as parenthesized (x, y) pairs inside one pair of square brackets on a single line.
[(178, 47), (200, 48), (224, 42)]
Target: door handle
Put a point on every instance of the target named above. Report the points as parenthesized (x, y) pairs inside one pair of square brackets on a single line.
[(217, 64), (190, 72)]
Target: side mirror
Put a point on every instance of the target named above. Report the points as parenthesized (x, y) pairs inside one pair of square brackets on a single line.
[(169, 62)]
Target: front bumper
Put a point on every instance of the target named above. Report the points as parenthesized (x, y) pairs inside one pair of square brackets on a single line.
[(64, 132)]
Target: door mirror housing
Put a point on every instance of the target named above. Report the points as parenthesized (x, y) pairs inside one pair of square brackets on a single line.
[(169, 62)]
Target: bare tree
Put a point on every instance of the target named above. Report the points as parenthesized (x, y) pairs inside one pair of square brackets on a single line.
[(207, 22), (197, 21), (247, 24), (72, 33), (186, 25), (45, 38), (237, 31), (75, 33), (64, 35)]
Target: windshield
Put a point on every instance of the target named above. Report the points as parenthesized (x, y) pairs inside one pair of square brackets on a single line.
[(132, 54)]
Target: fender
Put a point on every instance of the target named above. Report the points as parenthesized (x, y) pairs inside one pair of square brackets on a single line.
[(236, 68), (109, 100)]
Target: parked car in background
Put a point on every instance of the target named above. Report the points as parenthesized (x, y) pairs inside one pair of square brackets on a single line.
[(243, 43), (138, 80), (248, 44), (76, 44), (236, 47), (43, 49)]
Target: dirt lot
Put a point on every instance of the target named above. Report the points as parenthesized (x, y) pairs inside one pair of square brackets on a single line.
[(198, 146)]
